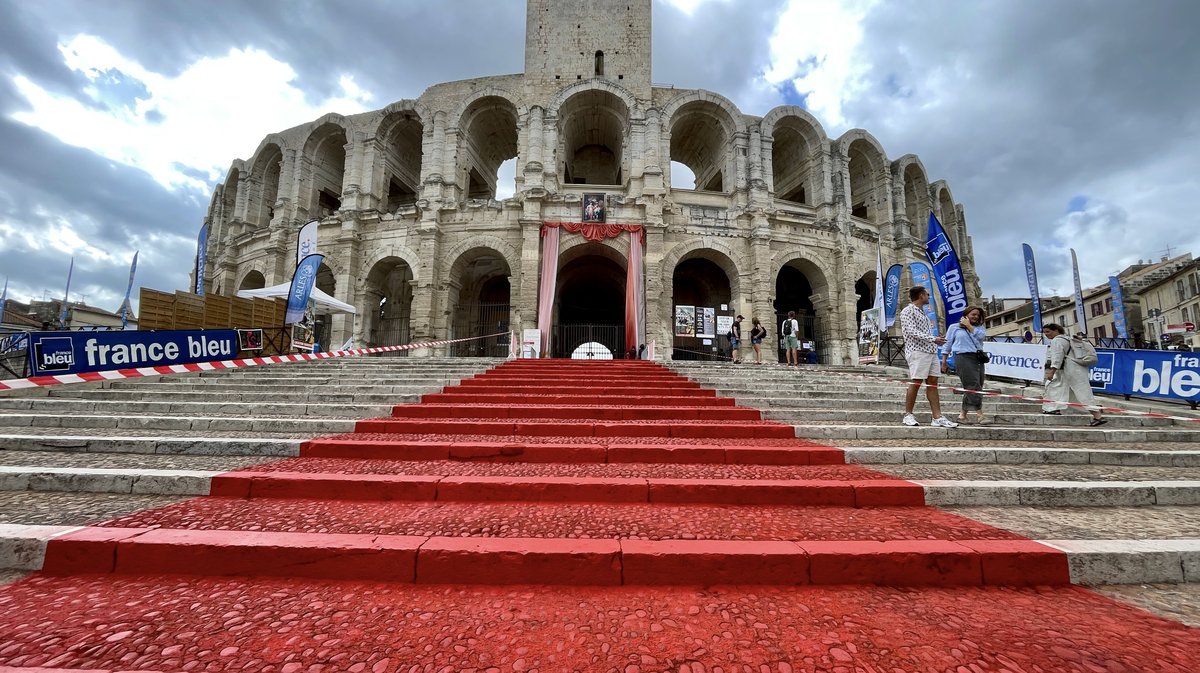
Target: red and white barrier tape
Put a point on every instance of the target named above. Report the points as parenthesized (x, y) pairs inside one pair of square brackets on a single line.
[(41, 381), (1040, 400)]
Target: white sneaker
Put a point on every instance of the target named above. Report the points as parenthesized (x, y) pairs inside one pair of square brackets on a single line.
[(911, 421), (943, 422)]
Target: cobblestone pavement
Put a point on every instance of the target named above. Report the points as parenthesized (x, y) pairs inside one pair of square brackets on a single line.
[(988, 471), (1090, 523), (138, 432), (1180, 602), (127, 461), (74, 509)]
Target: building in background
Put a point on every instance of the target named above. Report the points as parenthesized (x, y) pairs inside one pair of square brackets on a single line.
[(1171, 307)]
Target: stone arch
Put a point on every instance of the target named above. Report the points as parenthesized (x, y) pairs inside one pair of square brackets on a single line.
[(325, 154), (947, 213), (400, 138), (593, 133), (702, 127), (479, 288), (866, 168), (797, 147), (715, 251), (252, 280), (387, 291), (229, 199), (813, 266), (503, 249), (265, 167), (911, 174), (393, 250), (569, 92), (571, 246), (487, 137), (801, 282)]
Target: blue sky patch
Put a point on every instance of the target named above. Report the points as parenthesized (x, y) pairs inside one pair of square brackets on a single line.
[(1077, 204)]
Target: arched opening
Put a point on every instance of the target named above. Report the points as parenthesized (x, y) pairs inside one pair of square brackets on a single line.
[(229, 193), (916, 196), (864, 288), (401, 134), (326, 150), (949, 218), (700, 140), (593, 129), (323, 324), (252, 281), (481, 304), (389, 292), (866, 194), (701, 295), (797, 286), (589, 305), (489, 139), (265, 172), (793, 168)]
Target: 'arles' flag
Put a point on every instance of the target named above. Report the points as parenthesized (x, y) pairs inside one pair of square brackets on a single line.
[(947, 271), (303, 281), (891, 294), (1034, 296)]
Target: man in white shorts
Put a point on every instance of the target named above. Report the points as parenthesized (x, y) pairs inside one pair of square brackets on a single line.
[(920, 349)]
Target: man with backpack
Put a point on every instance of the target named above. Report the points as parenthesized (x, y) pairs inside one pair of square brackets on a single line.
[(1067, 367), (789, 336)]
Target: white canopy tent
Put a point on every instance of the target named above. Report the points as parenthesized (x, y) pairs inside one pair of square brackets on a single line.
[(325, 303)]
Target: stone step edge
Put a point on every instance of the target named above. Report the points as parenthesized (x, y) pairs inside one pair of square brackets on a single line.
[(554, 561), (453, 488), (967, 455), (175, 446), (997, 432), (149, 421)]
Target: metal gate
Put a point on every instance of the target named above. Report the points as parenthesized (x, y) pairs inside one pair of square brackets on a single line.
[(567, 338), (391, 332), (477, 320), (812, 330)]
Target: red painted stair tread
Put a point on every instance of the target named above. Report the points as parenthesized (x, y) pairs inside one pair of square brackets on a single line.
[(165, 623), (565, 520)]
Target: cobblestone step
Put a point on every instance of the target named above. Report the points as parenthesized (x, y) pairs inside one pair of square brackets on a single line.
[(64, 405), (835, 430), (987, 454), (181, 423), (182, 444), (1024, 418)]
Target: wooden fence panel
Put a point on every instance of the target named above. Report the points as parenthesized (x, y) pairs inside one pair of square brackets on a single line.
[(217, 312), (189, 311), (156, 310), (242, 313)]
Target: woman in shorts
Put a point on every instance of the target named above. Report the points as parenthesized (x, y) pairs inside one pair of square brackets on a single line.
[(757, 334)]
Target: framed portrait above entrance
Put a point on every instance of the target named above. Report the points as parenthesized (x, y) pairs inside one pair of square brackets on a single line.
[(593, 208)]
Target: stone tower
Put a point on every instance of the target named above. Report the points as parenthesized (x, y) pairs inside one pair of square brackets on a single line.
[(572, 40)]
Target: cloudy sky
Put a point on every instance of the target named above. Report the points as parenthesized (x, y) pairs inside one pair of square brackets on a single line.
[(1069, 123)]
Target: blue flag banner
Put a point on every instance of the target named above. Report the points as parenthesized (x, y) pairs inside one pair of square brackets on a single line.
[(946, 270), (128, 290), (1163, 374), (1080, 318), (1118, 299), (3, 299), (79, 352), (201, 258), (303, 281), (891, 294), (65, 314), (921, 276), (1031, 278)]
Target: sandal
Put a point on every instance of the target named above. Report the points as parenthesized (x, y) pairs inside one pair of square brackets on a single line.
[(1052, 413), (981, 420), (1098, 422)]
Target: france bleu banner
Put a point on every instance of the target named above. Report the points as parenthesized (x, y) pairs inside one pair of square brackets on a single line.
[(1144, 373), (303, 281), (921, 276), (1080, 318), (1031, 278), (201, 258), (1118, 299), (891, 294), (56, 353), (66, 311), (128, 290), (947, 271)]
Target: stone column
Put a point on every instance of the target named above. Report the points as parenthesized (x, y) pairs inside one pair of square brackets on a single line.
[(424, 301), (763, 284), (525, 289), (659, 317)]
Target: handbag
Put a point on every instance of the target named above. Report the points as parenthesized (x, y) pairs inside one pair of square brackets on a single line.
[(981, 356)]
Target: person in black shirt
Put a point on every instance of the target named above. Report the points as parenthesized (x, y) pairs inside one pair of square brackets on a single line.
[(757, 334), (735, 338)]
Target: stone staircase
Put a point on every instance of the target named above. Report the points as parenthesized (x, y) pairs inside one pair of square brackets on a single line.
[(556, 515)]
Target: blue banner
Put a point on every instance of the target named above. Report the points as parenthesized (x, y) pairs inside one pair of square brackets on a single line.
[(1118, 301), (78, 352), (128, 290), (947, 271), (4, 299), (201, 258), (891, 294), (1165, 374), (303, 281), (1080, 317), (921, 276), (1031, 278)]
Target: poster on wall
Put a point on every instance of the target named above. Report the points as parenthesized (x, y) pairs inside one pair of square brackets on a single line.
[(706, 322), (724, 324), (250, 339), (593, 208), (868, 335), (302, 337), (685, 321)]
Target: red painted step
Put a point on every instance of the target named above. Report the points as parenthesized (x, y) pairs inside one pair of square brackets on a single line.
[(492, 397), (477, 426), (575, 412)]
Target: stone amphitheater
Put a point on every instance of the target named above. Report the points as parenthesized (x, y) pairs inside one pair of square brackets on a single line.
[(776, 215)]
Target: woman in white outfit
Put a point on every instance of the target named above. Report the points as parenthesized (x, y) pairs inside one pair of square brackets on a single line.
[(1065, 376)]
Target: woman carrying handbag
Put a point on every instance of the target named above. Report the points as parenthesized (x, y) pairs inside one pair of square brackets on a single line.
[(965, 340)]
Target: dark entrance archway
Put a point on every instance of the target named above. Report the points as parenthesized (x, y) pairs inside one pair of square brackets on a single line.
[(701, 284), (590, 303), (794, 292)]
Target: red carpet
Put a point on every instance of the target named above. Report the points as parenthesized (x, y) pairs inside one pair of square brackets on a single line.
[(584, 476)]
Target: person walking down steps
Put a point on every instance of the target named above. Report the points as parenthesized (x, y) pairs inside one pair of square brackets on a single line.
[(1067, 367), (964, 340), (920, 349)]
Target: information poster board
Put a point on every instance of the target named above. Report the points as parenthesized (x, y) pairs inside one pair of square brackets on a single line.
[(685, 321)]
